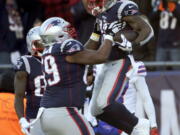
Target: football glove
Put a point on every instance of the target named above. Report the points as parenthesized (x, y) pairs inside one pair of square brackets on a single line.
[(154, 131), (125, 45), (111, 28), (24, 125)]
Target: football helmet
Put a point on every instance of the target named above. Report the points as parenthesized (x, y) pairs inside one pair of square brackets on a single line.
[(98, 6), (31, 38), (56, 29)]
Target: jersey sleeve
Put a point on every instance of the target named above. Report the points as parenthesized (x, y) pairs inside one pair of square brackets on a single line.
[(128, 8), (23, 64), (141, 69), (71, 46), (20, 66)]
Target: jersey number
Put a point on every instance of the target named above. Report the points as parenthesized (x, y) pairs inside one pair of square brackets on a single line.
[(39, 84), (167, 20), (51, 69)]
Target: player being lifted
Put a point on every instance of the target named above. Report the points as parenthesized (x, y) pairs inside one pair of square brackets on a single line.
[(29, 83), (63, 65), (110, 84)]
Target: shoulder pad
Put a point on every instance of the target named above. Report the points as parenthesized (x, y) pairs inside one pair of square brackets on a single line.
[(127, 8), (71, 46), (23, 64)]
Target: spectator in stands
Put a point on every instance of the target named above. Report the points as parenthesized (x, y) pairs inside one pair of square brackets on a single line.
[(8, 118), (83, 21), (11, 29), (5, 45), (32, 12), (168, 46), (59, 8)]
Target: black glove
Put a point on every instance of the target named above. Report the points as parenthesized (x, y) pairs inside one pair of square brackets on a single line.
[(97, 28)]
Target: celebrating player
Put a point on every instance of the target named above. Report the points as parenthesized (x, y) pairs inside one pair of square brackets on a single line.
[(64, 60), (29, 83)]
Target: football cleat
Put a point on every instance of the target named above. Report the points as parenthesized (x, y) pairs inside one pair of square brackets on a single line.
[(142, 127)]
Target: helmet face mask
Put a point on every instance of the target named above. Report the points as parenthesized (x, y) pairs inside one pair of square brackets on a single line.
[(56, 29), (32, 39)]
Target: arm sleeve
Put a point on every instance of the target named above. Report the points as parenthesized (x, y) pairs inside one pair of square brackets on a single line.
[(71, 46)]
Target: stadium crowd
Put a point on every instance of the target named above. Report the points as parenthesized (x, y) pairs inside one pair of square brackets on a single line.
[(17, 17)]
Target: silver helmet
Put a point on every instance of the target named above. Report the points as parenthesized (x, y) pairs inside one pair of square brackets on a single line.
[(56, 29), (32, 36)]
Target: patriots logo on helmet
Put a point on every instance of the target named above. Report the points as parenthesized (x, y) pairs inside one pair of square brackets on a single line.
[(53, 23)]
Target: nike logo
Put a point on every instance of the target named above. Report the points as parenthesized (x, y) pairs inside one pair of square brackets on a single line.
[(130, 6), (69, 43)]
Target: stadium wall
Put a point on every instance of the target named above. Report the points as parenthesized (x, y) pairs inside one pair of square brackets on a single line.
[(165, 91)]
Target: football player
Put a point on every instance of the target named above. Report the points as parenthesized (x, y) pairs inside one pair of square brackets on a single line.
[(135, 96), (29, 83), (137, 91), (109, 86), (63, 61)]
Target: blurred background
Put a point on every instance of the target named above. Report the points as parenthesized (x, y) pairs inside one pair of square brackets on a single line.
[(161, 55)]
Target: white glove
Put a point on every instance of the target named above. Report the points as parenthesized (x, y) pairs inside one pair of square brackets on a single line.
[(24, 125), (111, 28), (125, 45)]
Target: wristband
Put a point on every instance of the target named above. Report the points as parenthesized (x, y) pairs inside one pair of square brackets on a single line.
[(109, 37), (22, 120), (95, 37)]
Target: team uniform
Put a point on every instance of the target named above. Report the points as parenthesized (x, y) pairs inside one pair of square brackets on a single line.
[(137, 96), (133, 97), (65, 91), (110, 83), (34, 89)]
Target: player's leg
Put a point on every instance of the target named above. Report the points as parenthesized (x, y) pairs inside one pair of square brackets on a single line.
[(113, 84), (36, 130), (95, 110), (64, 121)]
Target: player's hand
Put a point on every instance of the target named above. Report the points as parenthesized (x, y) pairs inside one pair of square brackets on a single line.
[(111, 28), (24, 125), (154, 131), (125, 45)]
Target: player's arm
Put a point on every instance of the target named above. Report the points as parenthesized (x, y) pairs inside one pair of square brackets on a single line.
[(142, 27), (94, 40), (146, 99), (87, 56), (20, 86), (90, 56)]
